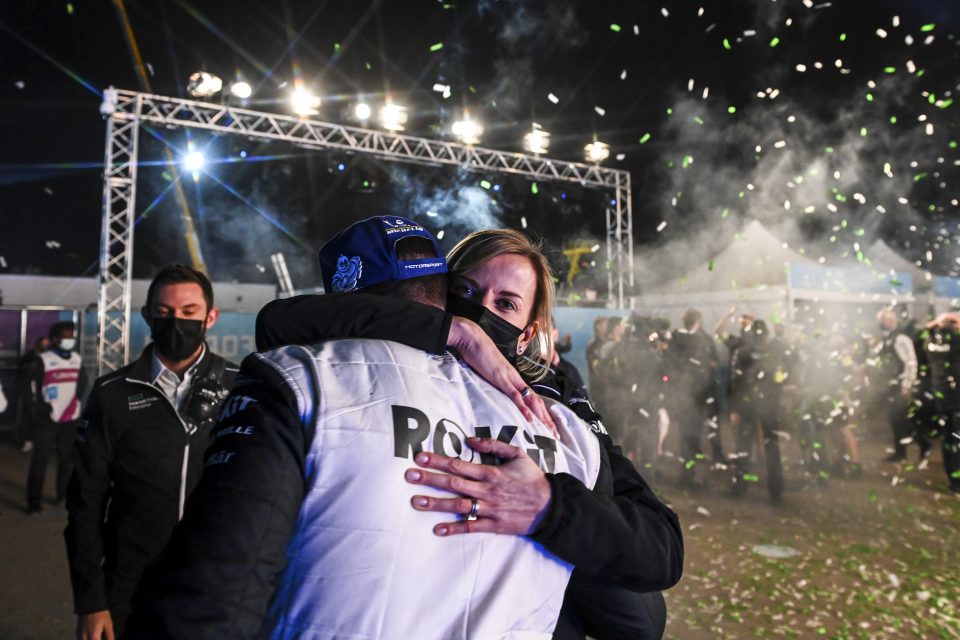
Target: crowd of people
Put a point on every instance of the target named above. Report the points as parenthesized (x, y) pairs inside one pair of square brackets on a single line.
[(744, 392)]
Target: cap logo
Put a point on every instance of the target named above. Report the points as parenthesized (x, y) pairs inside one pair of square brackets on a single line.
[(348, 274)]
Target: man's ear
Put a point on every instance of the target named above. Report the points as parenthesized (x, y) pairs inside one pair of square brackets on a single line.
[(212, 316)]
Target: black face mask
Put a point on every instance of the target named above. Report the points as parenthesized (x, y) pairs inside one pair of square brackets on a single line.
[(503, 334), (176, 338)]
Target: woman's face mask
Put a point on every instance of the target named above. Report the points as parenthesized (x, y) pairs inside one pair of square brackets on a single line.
[(503, 334)]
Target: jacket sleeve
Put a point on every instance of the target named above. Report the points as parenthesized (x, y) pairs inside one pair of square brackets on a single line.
[(218, 572), (87, 495), (37, 406), (628, 537), (310, 318)]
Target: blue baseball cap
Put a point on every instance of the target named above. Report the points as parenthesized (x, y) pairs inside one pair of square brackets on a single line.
[(365, 254)]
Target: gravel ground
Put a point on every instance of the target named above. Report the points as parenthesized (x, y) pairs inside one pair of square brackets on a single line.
[(876, 556)]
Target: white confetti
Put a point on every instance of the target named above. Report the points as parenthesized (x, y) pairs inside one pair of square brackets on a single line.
[(664, 12), (600, 111), (702, 511), (552, 98), (690, 84), (661, 226), (881, 33), (896, 21), (621, 156), (801, 68), (780, 144), (440, 235), (523, 222), (636, 30), (3, 262), (52, 244), (20, 84), (623, 74)]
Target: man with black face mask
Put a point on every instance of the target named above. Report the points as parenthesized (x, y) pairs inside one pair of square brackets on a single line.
[(140, 448)]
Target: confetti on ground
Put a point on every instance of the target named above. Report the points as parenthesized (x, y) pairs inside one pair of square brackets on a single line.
[(775, 551)]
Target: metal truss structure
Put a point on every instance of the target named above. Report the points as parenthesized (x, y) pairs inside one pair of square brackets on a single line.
[(126, 111)]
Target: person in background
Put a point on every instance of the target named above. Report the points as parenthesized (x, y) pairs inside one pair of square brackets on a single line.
[(895, 366), (600, 328), (693, 383), (25, 417), (942, 346), (139, 450), (56, 381)]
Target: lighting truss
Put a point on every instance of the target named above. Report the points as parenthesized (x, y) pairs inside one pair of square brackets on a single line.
[(126, 111)]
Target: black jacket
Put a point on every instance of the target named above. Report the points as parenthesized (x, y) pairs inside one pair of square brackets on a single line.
[(620, 537), (136, 453)]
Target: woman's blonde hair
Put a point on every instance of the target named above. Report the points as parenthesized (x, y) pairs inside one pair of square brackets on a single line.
[(480, 247)]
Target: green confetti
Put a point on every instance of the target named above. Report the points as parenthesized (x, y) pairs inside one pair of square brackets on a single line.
[(70, 8), (669, 111), (895, 282), (859, 233), (645, 138), (751, 477), (166, 176), (931, 98), (710, 265), (368, 66), (928, 27), (698, 120), (336, 48), (955, 474), (889, 69), (726, 212), (863, 132), (843, 37), (893, 119), (687, 161), (843, 223), (829, 149), (869, 97), (920, 176), (436, 47), (952, 144), (731, 109), (726, 44), (615, 27), (943, 104), (534, 189), (774, 41), (841, 198), (689, 464), (485, 184), (448, 7)]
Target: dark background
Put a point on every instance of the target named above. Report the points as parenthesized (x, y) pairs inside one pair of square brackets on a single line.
[(699, 170)]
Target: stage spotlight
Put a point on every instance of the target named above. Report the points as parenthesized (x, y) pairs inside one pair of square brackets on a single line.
[(203, 85), (362, 111), (194, 161), (304, 102), (467, 131), (393, 117), (537, 141), (596, 152), (241, 89)]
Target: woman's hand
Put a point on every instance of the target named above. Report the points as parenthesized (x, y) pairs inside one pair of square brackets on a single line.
[(478, 350), (511, 497)]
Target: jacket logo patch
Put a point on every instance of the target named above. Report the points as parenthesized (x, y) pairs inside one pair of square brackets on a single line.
[(140, 401)]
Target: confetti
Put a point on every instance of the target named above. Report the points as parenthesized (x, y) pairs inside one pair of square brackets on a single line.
[(615, 28), (436, 47), (552, 98), (661, 226)]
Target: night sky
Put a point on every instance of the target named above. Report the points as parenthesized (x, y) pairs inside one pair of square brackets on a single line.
[(833, 123)]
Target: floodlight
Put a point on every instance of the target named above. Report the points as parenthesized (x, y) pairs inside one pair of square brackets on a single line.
[(467, 131), (241, 89), (203, 85), (194, 161), (537, 141), (362, 111), (596, 152), (304, 102), (393, 117)]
